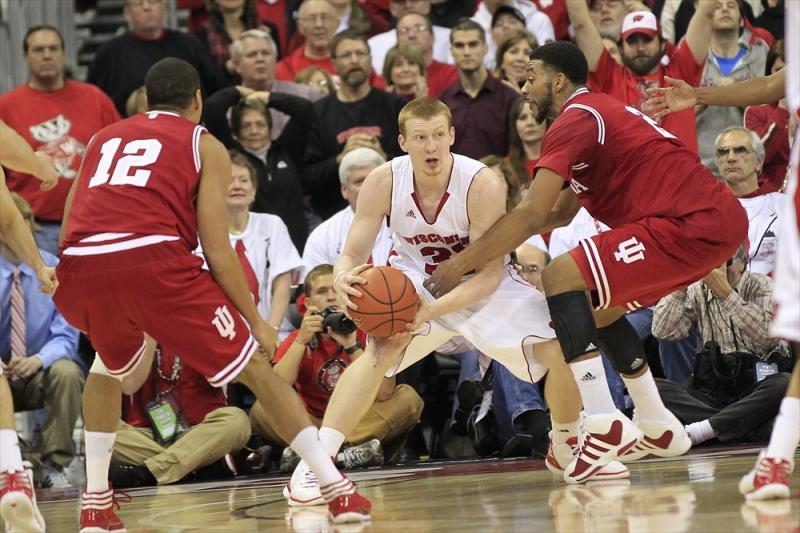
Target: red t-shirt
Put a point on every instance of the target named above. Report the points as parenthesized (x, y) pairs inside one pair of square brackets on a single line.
[(150, 191), (759, 118), (59, 123), (622, 166), (194, 395), (319, 371), (288, 67), (612, 78), (440, 76)]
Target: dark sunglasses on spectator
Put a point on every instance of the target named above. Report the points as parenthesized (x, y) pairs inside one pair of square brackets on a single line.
[(722, 151)]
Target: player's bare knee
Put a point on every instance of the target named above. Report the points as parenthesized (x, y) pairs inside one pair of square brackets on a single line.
[(623, 347)]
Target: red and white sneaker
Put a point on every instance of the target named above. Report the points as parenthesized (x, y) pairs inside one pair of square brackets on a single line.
[(18, 502), (344, 503), (604, 438), (768, 480), (560, 455), (661, 440), (303, 488), (98, 511)]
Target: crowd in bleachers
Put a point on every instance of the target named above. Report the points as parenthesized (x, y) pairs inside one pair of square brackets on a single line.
[(306, 94)]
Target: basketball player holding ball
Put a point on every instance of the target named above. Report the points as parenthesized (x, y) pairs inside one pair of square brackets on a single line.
[(437, 202)]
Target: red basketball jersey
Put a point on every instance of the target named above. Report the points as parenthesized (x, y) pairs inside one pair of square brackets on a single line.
[(622, 166), (138, 186)]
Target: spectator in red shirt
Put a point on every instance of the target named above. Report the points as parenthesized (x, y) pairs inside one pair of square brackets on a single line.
[(415, 29), (317, 23), (57, 116), (313, 359), (209, 428), (645, 59), (525, 136), (771, 123)]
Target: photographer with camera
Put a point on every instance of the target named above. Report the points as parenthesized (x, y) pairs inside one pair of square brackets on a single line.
[(740, 376), (313, 358)]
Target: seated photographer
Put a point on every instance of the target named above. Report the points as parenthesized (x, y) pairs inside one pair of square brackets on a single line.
[(739, 380), (314, 357), (174, 425)]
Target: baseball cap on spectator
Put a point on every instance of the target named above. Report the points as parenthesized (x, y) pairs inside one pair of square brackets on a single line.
[(507, 10), (640, 22)]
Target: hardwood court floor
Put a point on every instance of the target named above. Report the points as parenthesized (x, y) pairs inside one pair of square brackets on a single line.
[(693, 493)]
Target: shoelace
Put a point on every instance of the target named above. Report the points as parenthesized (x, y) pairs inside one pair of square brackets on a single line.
[(357, 456), (18, 476), (118, 496), (310, 479), (777, 468)]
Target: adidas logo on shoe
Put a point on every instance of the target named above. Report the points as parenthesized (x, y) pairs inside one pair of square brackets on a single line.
[(588, 377), (411, 214)]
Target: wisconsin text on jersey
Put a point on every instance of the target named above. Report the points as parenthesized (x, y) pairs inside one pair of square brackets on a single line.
[(456, 242)]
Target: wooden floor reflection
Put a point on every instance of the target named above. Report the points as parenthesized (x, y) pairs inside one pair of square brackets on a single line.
[(694, 493)]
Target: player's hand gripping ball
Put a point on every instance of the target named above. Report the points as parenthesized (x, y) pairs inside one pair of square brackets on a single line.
[(389, 302)]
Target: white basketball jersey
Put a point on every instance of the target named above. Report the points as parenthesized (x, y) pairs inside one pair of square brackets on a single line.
[(420, 244)]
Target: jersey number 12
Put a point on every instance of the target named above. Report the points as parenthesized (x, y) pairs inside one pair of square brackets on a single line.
[(139, 153)]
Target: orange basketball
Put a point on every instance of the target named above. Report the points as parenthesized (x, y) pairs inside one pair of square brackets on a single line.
[(388, 303)]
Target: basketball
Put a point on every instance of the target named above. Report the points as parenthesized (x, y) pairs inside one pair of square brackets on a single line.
[(388, 303)]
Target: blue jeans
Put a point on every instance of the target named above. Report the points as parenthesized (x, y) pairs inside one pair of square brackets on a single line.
[(511, 397), (47, 236)]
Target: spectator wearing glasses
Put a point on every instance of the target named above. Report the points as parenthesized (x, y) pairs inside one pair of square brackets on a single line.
[(317, 23), (357, 114), (381, 43), (643, 48), (739, 155), (416, 30)]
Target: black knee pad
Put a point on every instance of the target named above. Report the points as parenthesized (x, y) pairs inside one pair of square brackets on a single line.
[(574, 324), (623, 347)]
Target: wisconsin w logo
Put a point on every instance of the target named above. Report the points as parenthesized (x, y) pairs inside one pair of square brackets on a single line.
[(224, 323)]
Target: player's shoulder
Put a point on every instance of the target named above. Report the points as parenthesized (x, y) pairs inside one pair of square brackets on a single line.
[(381, 174)]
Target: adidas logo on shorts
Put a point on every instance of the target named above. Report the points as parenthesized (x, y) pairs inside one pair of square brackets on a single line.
[(588, 377)]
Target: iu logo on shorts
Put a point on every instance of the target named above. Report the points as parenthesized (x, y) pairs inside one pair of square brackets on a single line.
[(224, 323), (630, 251)]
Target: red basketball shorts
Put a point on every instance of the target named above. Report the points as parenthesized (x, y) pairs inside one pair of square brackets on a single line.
[(637, 264), (160, 289)]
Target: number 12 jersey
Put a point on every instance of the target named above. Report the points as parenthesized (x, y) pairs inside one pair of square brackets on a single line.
[(139, 183)]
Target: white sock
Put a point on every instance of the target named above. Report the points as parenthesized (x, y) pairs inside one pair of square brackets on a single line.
[(591, 378), (306, 444), (331, 440), (563, 432), (644, 394), (700, 431), (786, 431), (10, 456), (98, 456)]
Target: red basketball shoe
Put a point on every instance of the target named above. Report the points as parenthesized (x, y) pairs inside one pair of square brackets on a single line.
[(768, 480), (98, 511), (561, 455), (18, 502), (344, 503)]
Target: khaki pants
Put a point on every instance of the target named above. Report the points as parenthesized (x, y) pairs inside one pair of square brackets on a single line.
[(58, 390), (223, 430), (384, 421)]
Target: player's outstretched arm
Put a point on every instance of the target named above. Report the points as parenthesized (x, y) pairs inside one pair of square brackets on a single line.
[(698, 34), (587, 35), (16, 234), (213, 230), (762, 90), (18, 155), (374, 200), (531, 216)]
